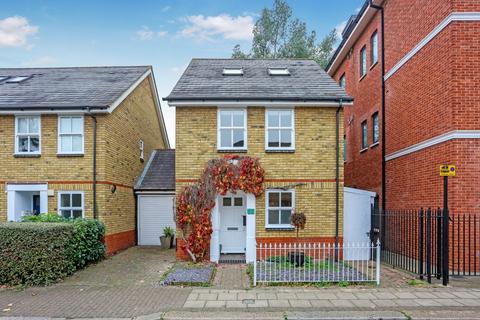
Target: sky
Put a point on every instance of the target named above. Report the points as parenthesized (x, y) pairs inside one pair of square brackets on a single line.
[(166, 34)]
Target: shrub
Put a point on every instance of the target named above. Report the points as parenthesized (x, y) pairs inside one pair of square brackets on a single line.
[(47, 248), (34, 253)]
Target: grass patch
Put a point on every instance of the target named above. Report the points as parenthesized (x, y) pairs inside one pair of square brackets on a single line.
[(416, 282)]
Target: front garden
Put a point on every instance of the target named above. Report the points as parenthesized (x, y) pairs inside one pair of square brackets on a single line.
[(47, 248)]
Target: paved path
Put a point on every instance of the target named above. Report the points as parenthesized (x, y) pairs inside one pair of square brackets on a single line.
[(231, 276)]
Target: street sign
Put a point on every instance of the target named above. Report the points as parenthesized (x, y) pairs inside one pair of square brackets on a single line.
[(447, 170)]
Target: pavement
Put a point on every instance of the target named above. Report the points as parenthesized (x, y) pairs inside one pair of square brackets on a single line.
[(127, 286)]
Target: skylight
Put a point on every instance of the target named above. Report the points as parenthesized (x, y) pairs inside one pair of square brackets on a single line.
[(232, 71), (18, 79), (3, 78), (278, 72)]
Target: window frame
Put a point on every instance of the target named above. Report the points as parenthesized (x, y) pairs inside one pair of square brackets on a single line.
[(267, 208), (71, 208), (292, 129), (60, 134), (344, 80), (363, 64), (364, 135), (375, 118), (374, 48), (29, 135), (141, 145), (219, 128)]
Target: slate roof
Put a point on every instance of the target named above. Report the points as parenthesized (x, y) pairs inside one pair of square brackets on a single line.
[(204, 80), (67, 88), (159, 173)]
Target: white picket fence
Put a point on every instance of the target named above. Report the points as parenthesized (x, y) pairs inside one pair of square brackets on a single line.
[(317, 262)]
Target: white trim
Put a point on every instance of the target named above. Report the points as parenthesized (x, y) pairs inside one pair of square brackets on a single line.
[(60, 134), (71, 208), (153, 193), (456, 134), (245, 129), (277, 226), (27, 112), (27, 187), (12, 189), (126, 93), (359, 191), (39, 117), (292, 130), (259, 103), (454, 16)]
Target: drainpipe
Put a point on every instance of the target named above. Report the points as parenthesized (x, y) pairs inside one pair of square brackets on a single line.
[(382, 32), (337, 174), (94, 164)]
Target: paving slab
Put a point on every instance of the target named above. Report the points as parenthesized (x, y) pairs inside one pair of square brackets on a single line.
[(360, 315)]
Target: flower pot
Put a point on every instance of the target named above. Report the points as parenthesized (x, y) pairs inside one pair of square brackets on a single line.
[(165, 242), (297, 258)]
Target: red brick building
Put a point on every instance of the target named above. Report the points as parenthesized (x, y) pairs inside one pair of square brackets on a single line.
[(432, 101)]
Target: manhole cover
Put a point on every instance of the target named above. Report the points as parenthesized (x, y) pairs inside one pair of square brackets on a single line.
[(248, 301)]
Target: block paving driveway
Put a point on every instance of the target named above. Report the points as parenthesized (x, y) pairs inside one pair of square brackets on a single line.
[(128, 285)]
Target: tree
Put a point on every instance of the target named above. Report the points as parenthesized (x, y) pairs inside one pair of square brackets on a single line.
[(277, 34)]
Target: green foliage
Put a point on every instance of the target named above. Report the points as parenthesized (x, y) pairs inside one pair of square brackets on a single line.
[(310, 264), (250, 273), (47, 248), (168, 232), (277, 34), (343, 284)]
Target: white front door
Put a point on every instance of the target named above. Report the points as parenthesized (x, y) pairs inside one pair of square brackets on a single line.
[(233, 223)]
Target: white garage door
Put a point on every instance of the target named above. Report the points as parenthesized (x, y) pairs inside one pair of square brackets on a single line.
[(155, 212)]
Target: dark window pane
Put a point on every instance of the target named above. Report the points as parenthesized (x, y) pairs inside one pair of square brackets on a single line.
[(77, 214), (66, 213), (286, 199), (273, 217), (227, 202), (285, 216), (273, 138), (34, 144), (238, 202), (23, 144), (238, 141), (274, 199), (76, 200), (65, 200)]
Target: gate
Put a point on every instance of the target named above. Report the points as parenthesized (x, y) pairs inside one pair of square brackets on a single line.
[(419, 241)]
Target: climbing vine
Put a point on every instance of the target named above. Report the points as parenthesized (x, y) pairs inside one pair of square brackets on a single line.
[(196, 201)]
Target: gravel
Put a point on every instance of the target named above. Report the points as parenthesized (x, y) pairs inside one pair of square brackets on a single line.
[(189, 275)]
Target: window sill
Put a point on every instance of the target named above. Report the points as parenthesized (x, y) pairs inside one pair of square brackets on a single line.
[(70, 155), (363, 150), (280, 228), (232, 150), (280, 150), (373, 65), (26, 155), (374, 145)]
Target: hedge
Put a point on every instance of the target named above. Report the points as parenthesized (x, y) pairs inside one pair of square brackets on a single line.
[(39, 253)]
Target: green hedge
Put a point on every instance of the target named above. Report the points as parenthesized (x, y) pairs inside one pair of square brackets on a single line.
[(38, 252)]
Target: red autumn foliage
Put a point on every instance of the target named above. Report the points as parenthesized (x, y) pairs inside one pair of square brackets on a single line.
[(196, 201)]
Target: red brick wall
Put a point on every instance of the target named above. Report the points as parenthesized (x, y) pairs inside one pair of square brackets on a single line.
[(119, 241)]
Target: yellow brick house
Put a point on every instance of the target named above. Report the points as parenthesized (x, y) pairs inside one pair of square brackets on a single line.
[(289, 114), (74, 140)]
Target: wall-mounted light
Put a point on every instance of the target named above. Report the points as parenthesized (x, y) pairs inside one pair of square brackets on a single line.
[(113, 188)]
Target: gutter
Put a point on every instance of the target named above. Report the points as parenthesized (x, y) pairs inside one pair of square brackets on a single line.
[(337, 173), (94, 164), (59, 108)]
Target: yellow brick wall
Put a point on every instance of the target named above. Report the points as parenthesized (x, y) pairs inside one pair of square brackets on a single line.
[(313, 161), (118, 159)]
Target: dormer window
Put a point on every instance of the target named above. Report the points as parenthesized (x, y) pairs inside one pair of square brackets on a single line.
[(278, 72), (232, 72), (17, 79)]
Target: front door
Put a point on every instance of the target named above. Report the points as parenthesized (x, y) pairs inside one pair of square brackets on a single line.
[(232, 224), (36, 204)]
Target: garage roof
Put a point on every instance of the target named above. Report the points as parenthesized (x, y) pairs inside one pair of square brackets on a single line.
[(159, 172)]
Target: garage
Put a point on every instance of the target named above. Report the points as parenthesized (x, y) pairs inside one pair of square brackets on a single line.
[(155, 194)]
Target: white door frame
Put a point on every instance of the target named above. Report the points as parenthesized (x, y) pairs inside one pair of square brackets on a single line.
[(250, 253), (12, 189)]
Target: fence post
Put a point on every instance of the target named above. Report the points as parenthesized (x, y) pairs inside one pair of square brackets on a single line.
[(255, 269), (429, 245), (438, 216), (420, 244), (378, 262)]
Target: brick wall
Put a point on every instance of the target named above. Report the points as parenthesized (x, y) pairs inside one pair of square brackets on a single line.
[(118, 163), (312, 164)]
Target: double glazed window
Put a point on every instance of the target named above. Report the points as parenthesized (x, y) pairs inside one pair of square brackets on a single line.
[(375, 127), (70, 134), (364, 135), (374, 48), (341, 82), (70, 204), (280, 133), (27, 135), (232, 132), (279, 208), (363, 61)]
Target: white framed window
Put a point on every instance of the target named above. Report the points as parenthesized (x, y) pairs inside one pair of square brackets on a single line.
[(363, 61), (279, 129), (28, 134), (141, 145), (232, 129), (279, 205), (374, 48), (70, 135), (70, 204)]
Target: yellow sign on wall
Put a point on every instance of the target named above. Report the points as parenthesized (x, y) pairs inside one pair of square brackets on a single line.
[(447, 170)]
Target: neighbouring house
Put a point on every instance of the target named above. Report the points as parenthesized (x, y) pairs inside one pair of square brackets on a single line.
[(287, 113), (432, 101), (74, 140)]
